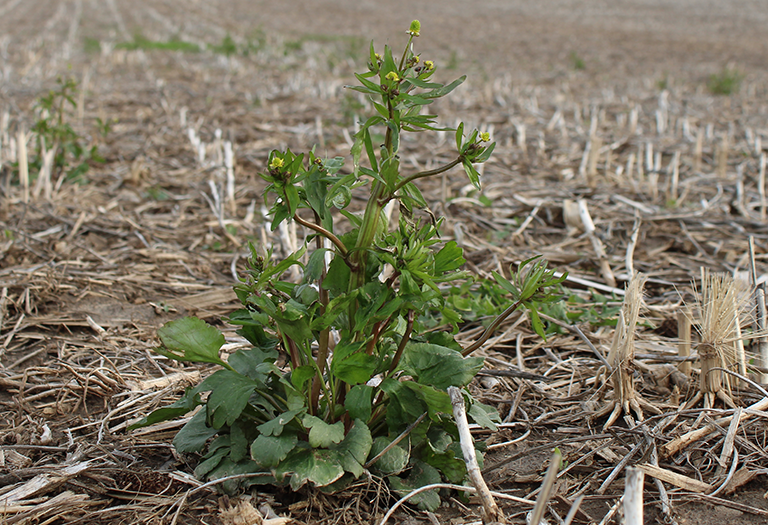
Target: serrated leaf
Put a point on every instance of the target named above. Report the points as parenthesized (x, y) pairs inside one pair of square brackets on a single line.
[(248, 362), (319, 467), (355, 368), (274, 427), (321, 434), (194, 434), (269, 451), (420, 475), (358, 402), (302, 374), (446, 461), (191, 339), (229, 397), (337, 279), (439, 366), (436, 401), (355, 448), (393, 461)]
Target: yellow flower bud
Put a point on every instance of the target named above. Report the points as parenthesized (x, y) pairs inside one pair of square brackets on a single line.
[(392, 76), (415, 28)]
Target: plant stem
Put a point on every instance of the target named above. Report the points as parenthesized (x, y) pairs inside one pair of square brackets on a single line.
[(428, 173), (323, 339), (405, 53), (406, 337), (293, 351), (492, 328), (325, 233)]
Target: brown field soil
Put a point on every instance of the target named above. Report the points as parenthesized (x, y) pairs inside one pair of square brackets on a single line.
[(90, 269)]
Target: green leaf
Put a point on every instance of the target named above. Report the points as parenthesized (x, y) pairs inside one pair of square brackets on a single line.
[(484, 415), (337, 279), (441, 92), (269, 451), (194, 434), (238, 441), (536, 323), (191, 339), (185, 404), (302, 374), (228, 397), (420, 475), (355, 368), (227, 468), (449, 258), (315, 265), (321, 434), (218, 451), (393, 461), (449, 462), (274, 427), (355, 448), (437, 401), (474, 176), (369, 150), (486, 153), (459, 136), (319, 467), (247, 362), (292, 196), (439, 366), (358, 402), (404, 406)]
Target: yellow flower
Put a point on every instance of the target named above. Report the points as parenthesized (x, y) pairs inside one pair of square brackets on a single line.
[(485, 137), (392, 76), (429, 65), (276, 163)]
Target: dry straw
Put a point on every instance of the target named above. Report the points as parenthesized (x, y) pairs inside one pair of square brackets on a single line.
[(722, 301), (621, 356)]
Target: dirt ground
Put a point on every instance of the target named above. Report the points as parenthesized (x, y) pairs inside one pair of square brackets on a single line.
[(90, 270)]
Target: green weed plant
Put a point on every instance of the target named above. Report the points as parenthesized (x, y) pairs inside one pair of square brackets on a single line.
[(52, 129), (173, 44), (367, 365), (726, 82)]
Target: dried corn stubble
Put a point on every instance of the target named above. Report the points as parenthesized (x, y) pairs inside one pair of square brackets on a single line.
[(625, 397), (721, 303)]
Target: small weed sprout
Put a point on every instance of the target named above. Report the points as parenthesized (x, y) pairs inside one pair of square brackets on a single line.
[(577, 62), (726, 82), (367, 368)]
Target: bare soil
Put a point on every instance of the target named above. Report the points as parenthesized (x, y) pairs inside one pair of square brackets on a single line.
[(89, 272)]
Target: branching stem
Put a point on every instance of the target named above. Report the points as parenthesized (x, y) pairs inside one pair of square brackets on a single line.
[(428, 173), (325, 233)]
